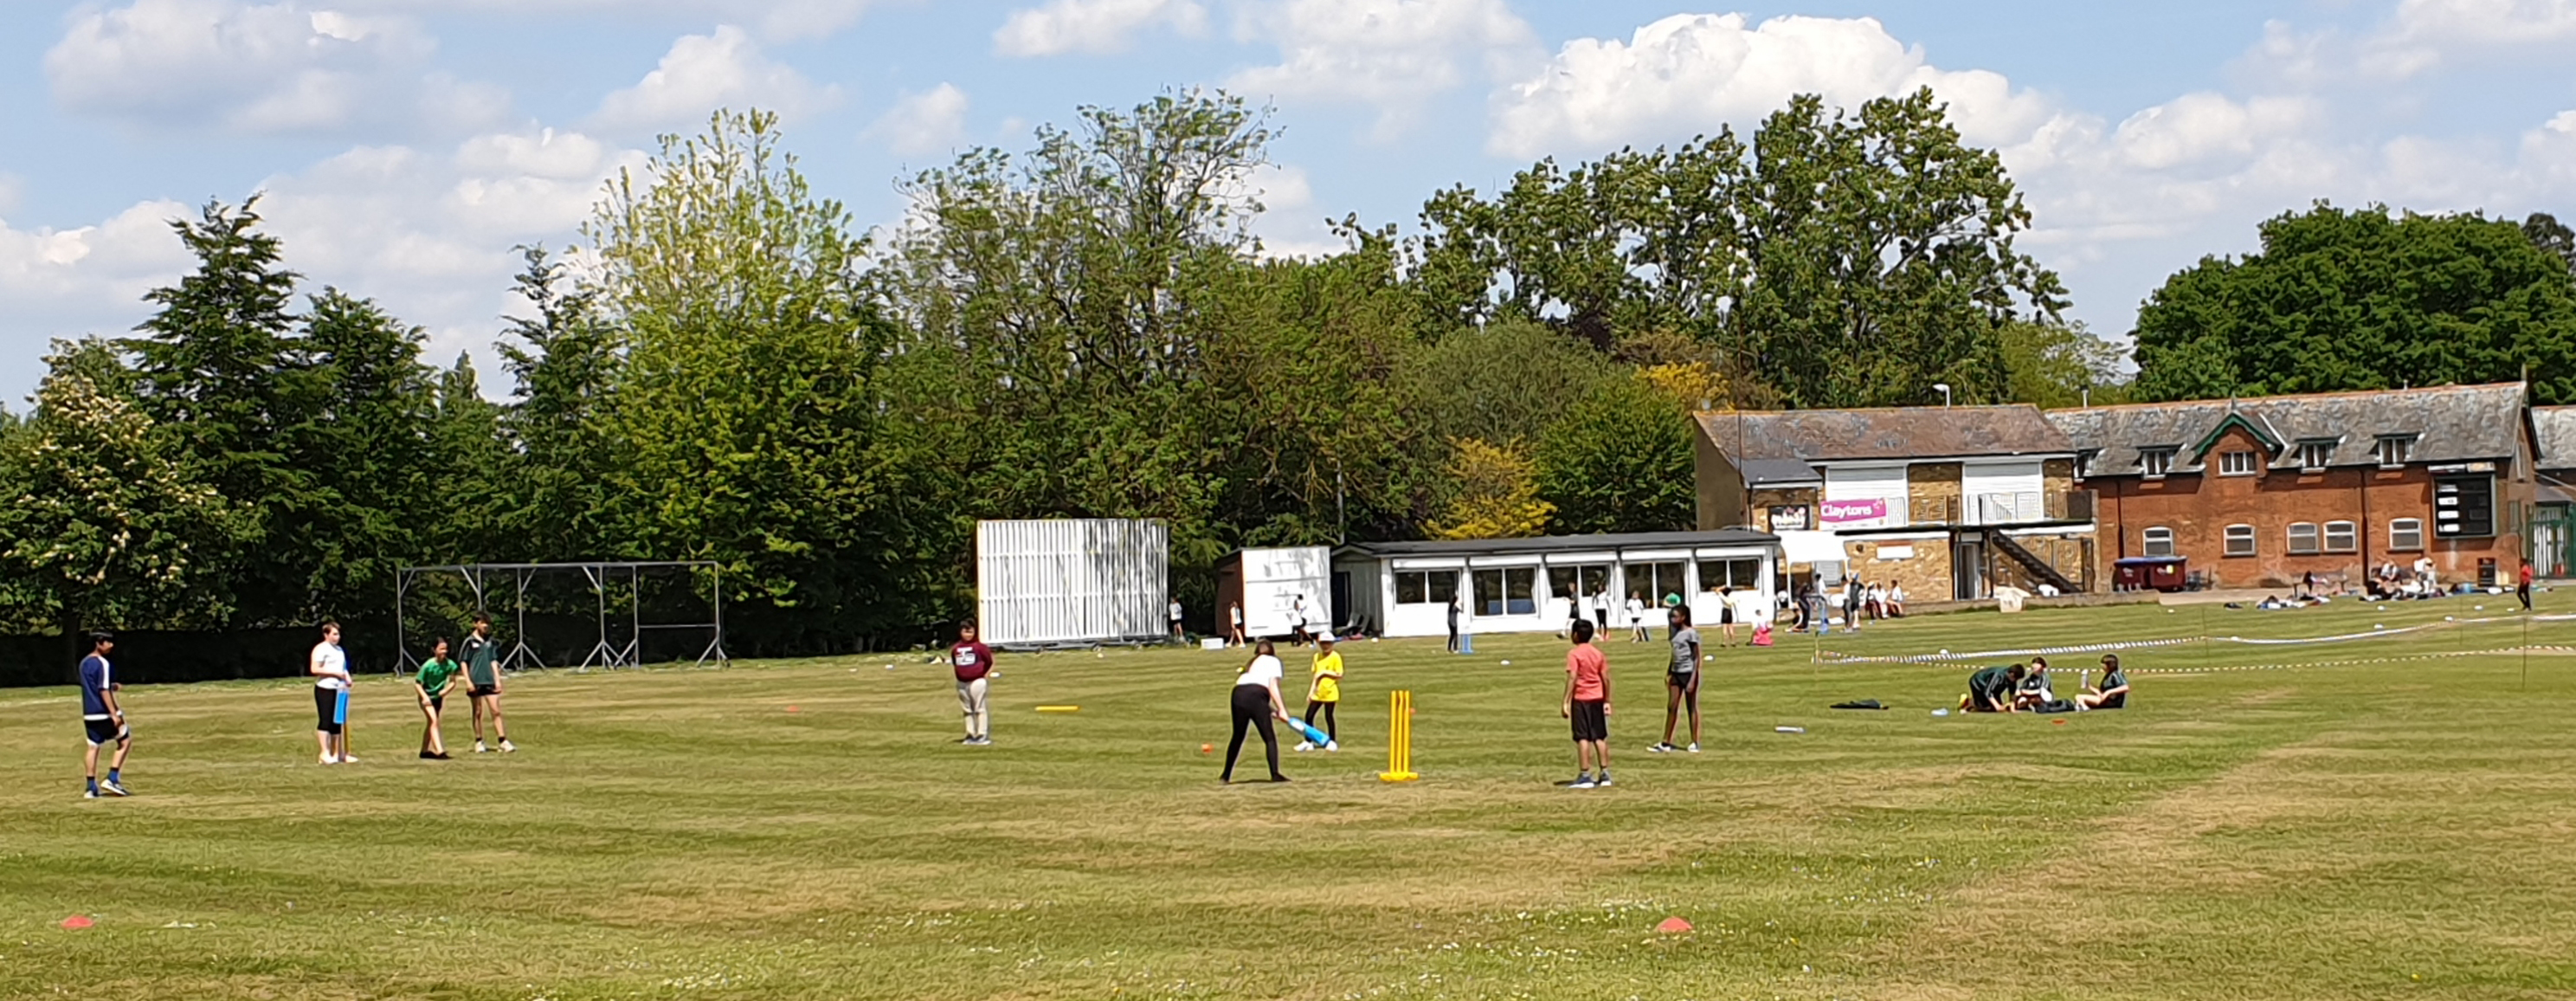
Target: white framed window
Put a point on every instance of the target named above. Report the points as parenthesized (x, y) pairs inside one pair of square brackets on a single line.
[(1426, 587), (2393, 450), (2406, 533), (2342, 537), (2315, 454), (2155, 462), (2157, 541), (2235, 463), (2303, 538), (2240, 540)]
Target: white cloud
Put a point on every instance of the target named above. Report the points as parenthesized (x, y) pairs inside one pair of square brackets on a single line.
[(264, 68), (1095, 26), (426, 232), (701, 73), (1290, 224), (2202, 127), (2424, 33), (931, 122), (775, 20), (1691, 73), (1392, 54)]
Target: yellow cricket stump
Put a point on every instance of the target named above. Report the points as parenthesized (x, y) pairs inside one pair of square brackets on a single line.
[(1399, 743), (1059, 709)]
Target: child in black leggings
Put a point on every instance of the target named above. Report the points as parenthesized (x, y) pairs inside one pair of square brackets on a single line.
[(1256, 703)]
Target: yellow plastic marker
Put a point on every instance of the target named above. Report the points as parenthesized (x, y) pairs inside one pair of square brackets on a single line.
[(1059, 709)]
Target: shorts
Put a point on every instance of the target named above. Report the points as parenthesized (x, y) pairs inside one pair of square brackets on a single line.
[(327, 709), (106, 731), (1681, 679), (483, 691), (1726, 616), (438, 703), (1591, 720)]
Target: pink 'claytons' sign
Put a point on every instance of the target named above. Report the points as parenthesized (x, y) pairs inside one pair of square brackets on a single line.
[(1852, 510)]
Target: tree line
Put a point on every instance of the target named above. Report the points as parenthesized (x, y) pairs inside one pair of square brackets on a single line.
[(726, 368)]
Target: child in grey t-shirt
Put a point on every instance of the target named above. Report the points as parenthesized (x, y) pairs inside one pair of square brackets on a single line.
[(1681, 679)]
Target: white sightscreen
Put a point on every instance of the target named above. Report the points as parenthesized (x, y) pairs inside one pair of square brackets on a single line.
[(1072, 581)]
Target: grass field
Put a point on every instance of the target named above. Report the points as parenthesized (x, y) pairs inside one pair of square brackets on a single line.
[(2381, 818)]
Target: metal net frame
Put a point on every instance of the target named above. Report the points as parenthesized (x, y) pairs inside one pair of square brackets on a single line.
[(614, 586)]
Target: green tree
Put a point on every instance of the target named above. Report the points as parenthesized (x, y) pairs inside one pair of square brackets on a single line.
[(1882, 255), (1316, 441), (1501, 383), (2364, 299), (560, 484), (744, 401), (365, 448), (2552, 237), (2054, 365), (1619, 460), (470, 486), (218, 371), (1493, 494), (102, 522), (1045, 299)]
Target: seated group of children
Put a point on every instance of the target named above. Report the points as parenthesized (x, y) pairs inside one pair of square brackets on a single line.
[(2025, 688)]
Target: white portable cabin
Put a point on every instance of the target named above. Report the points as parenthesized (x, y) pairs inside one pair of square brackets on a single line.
[(1268, 583), (1096, 580), (1519, 585)]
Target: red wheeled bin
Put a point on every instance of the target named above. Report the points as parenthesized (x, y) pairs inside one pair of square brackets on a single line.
[(2149, 573)]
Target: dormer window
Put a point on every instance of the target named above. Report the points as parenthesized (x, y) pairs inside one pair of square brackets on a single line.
[(2315, 455), (2235, 463), (2156, 463), (2393, 450)]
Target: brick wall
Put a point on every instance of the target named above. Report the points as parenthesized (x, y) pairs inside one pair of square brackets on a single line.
[(1926, 574), (2199, 507), (1933, 487)]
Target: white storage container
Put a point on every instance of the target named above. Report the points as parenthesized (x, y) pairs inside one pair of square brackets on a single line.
[(1072, 581)]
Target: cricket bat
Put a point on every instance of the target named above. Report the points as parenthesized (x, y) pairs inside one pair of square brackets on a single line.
[(1313, 735)]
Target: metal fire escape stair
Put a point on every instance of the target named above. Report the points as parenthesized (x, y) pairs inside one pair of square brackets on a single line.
[(2030, 561)]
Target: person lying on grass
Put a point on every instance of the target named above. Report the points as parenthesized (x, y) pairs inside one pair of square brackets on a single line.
[(2112, 692), (1991, 690)]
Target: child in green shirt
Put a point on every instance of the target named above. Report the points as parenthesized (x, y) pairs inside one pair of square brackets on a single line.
[(431, 682)]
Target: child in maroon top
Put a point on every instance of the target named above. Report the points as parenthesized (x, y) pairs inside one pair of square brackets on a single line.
[(974, 663)]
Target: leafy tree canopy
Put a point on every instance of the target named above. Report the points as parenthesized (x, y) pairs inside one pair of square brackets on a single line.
[(2364, 299)]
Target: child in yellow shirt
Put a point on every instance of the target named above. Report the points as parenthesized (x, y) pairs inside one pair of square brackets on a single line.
[(1325, 692)]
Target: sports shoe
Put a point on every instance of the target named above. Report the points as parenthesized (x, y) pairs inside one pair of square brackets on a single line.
[(348, 759), (1660, 747), (1605, 779), (1581, 781), (1305, 745), (1332, 745), (984, 741), (91, 794), (1694, 748), (507, 746), (330, 759), (110, 787), (480, 749), (426, 756)]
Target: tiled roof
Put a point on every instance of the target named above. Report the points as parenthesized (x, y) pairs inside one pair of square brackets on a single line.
[(1886, 433), (2447, 423), (2554, 431)]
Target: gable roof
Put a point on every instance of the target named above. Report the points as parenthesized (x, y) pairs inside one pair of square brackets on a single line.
[(2553, 431), (2448, 424), (1884, 433)]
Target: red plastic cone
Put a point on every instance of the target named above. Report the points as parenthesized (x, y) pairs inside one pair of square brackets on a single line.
[(77, 922), (1673, 926)]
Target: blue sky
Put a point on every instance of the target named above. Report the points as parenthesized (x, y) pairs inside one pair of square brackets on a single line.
[(406, 145)]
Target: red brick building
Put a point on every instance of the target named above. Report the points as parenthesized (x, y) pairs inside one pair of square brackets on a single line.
[(2259, 492)]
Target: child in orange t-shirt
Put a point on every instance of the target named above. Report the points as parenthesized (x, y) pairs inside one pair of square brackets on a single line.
[(1587, 703)]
